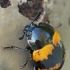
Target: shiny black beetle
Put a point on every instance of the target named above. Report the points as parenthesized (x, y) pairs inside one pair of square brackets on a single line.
[(46, 48)]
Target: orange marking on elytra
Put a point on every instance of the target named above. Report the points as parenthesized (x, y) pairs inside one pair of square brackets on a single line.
[(52, 68), (43, 53), (64, 57), (56, 38), (42, 69), (56, 66)]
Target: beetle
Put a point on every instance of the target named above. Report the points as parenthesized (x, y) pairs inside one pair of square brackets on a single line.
[(45, 45)]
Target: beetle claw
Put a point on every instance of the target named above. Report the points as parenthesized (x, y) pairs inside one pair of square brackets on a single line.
[(21, 67), (2, 48), (6, 47), (59, 25), (20, 38)]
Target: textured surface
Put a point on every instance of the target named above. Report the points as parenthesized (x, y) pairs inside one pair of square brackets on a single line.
[(11, 23)]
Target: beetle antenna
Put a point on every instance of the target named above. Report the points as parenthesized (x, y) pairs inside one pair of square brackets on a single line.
[(37, 16)]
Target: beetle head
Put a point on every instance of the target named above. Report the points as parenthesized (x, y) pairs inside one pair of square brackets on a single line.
[(28, 28)]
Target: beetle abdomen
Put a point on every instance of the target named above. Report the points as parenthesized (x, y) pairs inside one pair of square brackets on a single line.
[(49, 57)]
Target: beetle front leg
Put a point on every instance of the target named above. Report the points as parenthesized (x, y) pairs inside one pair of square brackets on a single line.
[(20, 38), (16, 48)]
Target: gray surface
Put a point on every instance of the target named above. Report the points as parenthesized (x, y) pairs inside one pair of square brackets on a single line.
[(11, 23)]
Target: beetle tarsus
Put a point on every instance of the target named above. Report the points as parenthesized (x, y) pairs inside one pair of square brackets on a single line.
[(6, 47), (25, 63), (59, 25), (16, 48), (20, 38)]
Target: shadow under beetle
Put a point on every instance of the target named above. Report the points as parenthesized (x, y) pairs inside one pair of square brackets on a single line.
[(44, 43)]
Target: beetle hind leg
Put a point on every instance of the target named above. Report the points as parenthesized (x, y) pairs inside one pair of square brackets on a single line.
[(35, 68), (16, 48), (24, 64)]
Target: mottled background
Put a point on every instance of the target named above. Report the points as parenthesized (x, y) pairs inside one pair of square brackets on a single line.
[(11, 24)]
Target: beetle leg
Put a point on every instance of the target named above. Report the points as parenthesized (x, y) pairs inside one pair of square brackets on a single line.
[(20, 38), (16, 48), (42, 24), (59, 25), (25, 63), (35, 68), (46, 19)]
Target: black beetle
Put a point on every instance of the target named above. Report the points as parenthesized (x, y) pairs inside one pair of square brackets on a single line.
[(46, 48)]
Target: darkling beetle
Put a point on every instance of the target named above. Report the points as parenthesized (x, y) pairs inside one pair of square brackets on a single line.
[(44, 43)]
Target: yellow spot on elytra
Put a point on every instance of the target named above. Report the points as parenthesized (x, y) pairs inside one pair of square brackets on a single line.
[(56, 38), (56, 66), (64, 57), (43, 53), (39, 69), (42, 69), (52, 68)]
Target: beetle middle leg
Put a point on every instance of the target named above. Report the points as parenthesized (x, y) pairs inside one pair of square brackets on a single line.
[(16, 48)]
